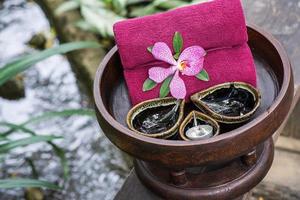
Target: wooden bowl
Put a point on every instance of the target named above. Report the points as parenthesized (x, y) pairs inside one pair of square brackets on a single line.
[(275, 81)]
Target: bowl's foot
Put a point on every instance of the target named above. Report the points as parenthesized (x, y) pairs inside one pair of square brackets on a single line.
[(223, 182)]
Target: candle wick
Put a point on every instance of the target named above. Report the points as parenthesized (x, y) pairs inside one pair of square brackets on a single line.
[(195, 120)]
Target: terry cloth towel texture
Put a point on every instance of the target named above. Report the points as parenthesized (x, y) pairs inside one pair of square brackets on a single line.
[(218, 26)]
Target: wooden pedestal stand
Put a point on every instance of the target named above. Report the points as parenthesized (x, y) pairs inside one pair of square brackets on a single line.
[(224, 167)]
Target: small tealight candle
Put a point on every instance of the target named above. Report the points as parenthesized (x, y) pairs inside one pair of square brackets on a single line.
[(199, 132)]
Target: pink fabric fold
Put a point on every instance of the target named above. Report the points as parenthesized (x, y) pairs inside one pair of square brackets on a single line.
[(218, 26)]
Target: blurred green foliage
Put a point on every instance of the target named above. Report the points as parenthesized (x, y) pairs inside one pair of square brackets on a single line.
[(98, 16), (8, 143)]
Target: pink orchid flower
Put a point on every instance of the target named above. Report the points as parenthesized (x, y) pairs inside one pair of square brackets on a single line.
[(189, 63)]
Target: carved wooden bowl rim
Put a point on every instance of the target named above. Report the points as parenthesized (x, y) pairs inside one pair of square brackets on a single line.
[(220, 148)]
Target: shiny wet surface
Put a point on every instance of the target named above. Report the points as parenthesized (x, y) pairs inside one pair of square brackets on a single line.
[(156, 120), (97, 167), (230, 101)]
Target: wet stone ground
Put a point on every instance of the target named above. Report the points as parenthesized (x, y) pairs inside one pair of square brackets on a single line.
[(282, 19), (97, 167)]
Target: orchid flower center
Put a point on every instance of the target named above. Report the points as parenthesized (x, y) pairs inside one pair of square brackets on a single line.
[(182, 65)]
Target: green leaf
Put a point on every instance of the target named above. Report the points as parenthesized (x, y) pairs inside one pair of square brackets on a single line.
[(203, 75), (165, 87), (119, 6), (3, 138), (150, 49), (66, 6), (4, 148), (143, 10), (26, 183), (177, 42), (12, 69), (135, 2), (44, 116), (33, 168), (63, 113), (14, 127), (167, 4), (84, 25), (60, 153), (149, 85), (52, 114), (101, 18), (176, 56)]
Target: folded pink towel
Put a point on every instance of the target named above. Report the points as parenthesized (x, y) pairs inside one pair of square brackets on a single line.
[(218, 26)]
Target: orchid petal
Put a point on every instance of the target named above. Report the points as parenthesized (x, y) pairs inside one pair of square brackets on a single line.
[(159, 74), (162, 52), (194, 58), (177, 87)]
